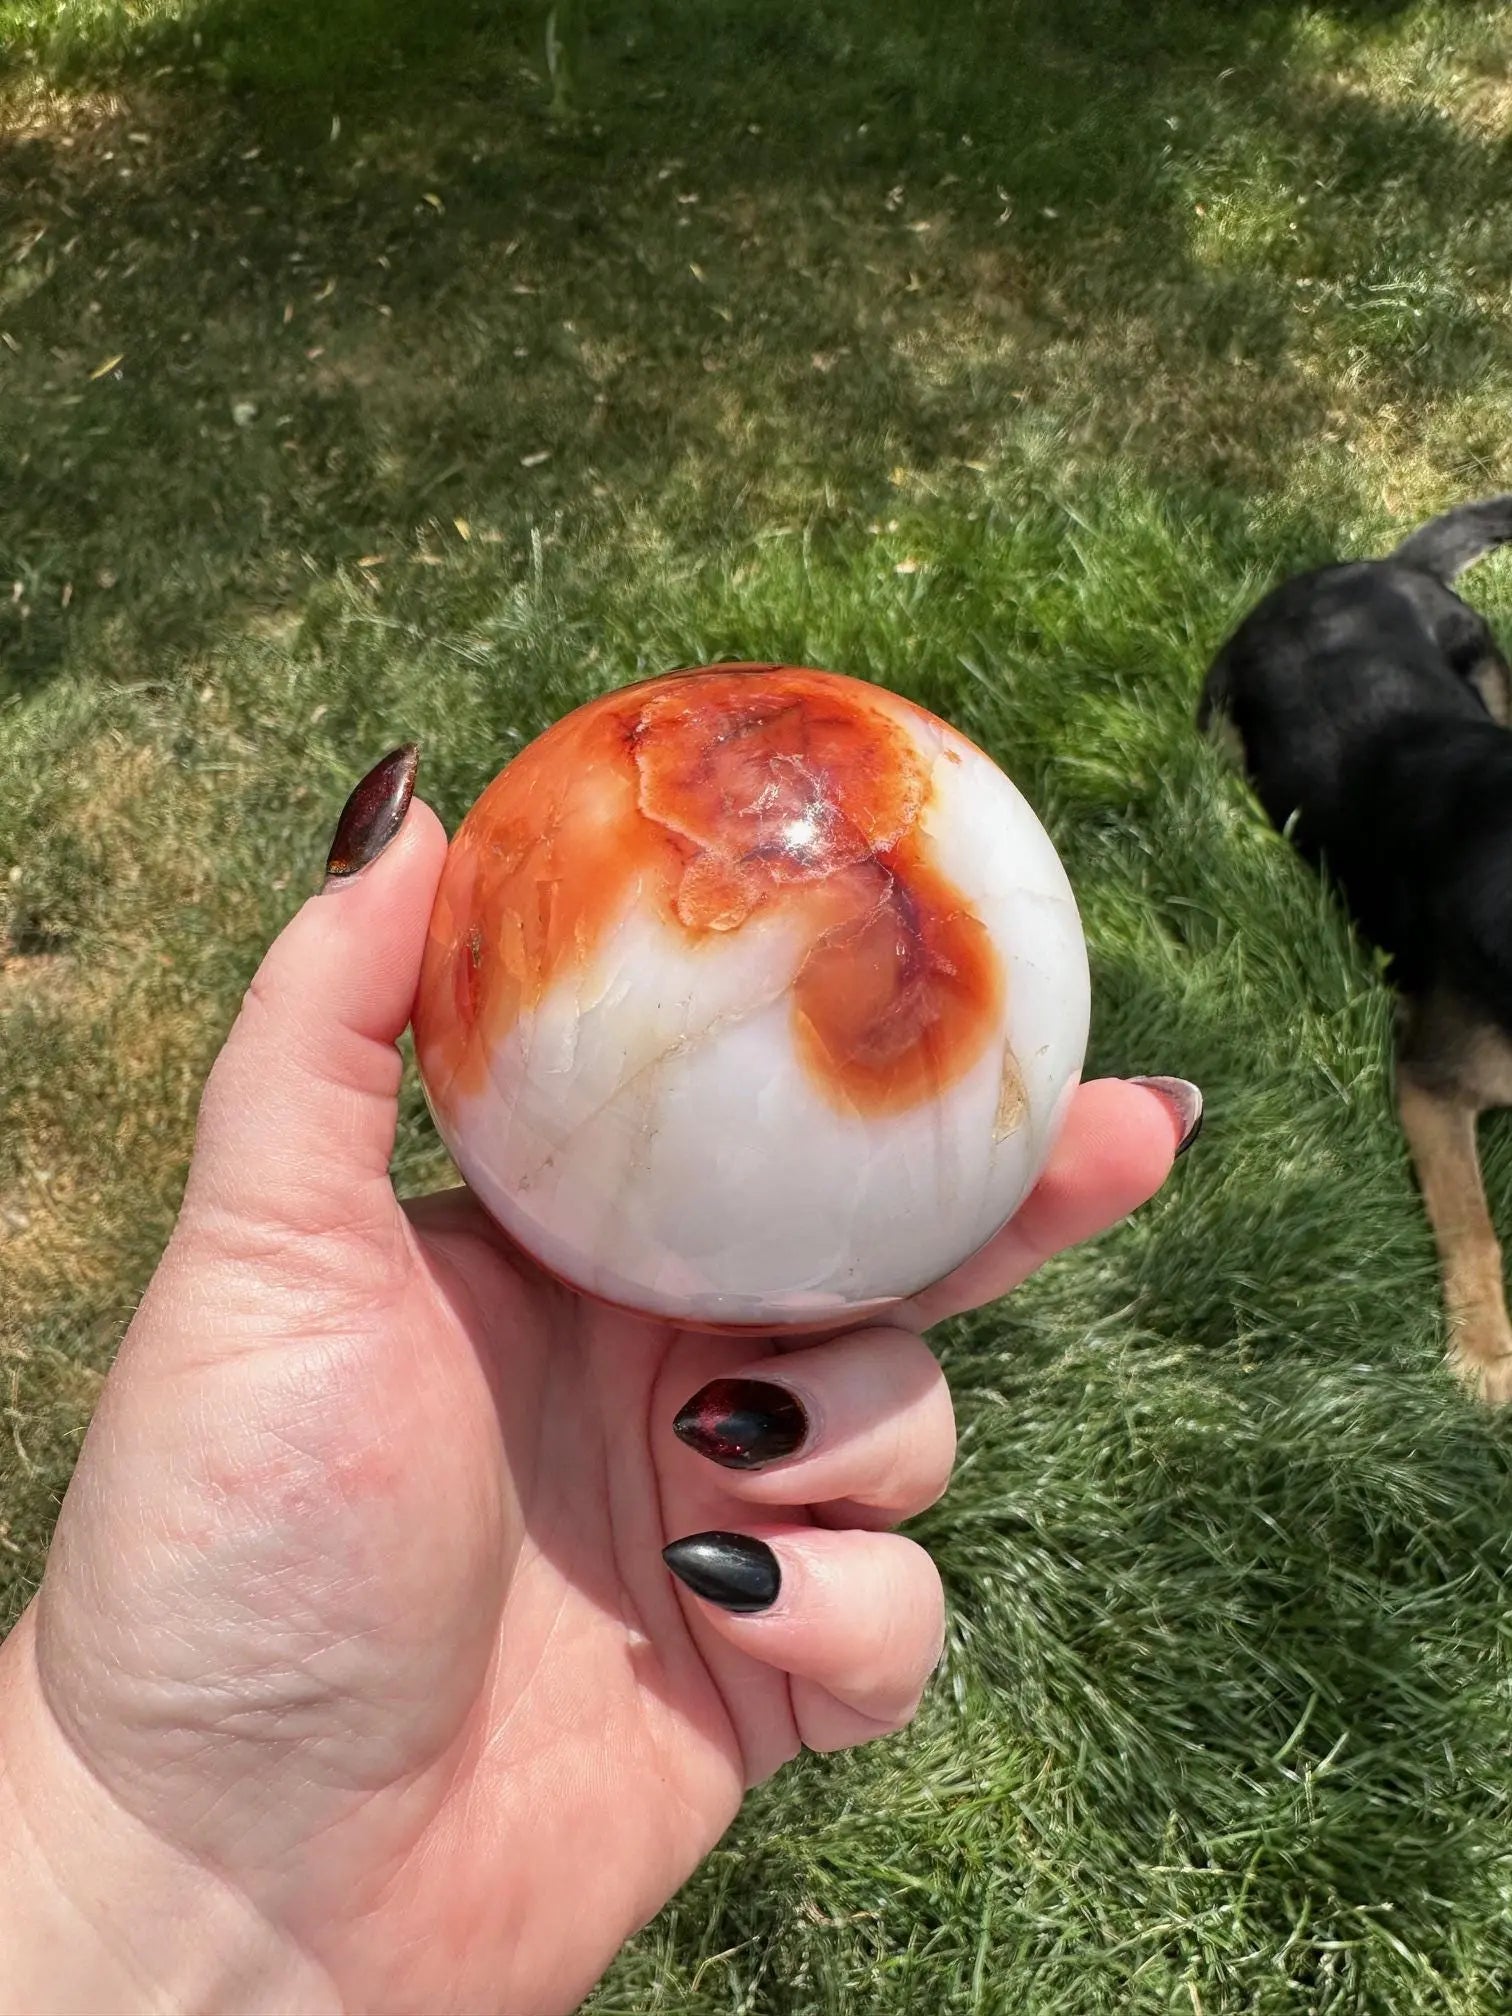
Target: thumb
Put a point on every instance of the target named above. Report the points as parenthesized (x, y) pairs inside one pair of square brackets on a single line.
[(297, 1122)]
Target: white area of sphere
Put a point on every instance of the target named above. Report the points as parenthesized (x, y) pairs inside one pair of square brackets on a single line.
[(650, 1133)]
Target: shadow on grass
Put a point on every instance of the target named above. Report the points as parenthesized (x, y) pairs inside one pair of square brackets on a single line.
[(359, 285)]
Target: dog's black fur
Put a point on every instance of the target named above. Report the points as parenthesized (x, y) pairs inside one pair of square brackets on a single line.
[(1368, 701), (1369, 704)]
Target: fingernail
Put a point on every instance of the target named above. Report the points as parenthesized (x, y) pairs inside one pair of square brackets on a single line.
[(742, 1423), (729, 1569), (373, 814), (1183, 1102)]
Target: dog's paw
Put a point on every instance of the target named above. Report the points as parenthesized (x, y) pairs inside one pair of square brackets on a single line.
[(1494, 1383), (1483, 1365)]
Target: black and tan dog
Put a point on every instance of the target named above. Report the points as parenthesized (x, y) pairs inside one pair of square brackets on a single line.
[(1369, 707)]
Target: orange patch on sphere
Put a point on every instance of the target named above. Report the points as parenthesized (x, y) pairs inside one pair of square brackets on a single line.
[(712, 798)]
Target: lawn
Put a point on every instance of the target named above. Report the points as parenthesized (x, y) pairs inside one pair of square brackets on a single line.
[(997, 349)]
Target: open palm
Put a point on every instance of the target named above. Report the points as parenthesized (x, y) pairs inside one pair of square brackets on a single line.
[(357, 1613)]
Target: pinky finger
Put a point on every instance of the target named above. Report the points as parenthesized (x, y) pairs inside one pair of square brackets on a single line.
[(855, 1619), (1116, 1149)]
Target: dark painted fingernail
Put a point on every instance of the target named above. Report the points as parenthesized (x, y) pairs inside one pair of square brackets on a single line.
[(742, 1423), (729, 1569), (1184, 1103), (373, 814)]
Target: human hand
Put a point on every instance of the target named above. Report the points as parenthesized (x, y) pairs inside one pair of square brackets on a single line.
[(357, 1680)]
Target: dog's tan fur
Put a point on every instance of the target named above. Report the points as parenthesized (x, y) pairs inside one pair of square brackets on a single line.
[(1451, 1067), (1449, 1071)]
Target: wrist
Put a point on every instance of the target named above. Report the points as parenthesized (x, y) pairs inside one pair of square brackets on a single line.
[(98, 1912)]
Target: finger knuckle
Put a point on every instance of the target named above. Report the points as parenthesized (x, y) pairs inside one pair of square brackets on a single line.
[(916, 1455)]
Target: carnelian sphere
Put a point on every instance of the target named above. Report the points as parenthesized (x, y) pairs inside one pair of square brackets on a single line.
[(753, 996)]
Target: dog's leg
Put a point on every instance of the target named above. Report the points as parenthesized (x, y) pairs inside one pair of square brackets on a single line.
[(1492, 679), (1440, 1129)]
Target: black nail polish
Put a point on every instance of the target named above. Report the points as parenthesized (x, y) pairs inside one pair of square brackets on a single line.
[(1184, 1101), (742, 1423), (373, 814), (729, 1569)]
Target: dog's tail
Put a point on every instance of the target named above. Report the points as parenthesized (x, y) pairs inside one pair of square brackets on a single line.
[(1446, 546)]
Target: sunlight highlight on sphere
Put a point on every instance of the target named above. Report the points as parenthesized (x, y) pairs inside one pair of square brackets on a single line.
[(753, 996)]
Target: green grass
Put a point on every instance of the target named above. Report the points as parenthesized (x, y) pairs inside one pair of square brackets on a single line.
[(1000, 352)]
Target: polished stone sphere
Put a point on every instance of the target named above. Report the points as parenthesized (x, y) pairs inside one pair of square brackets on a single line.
[(753, 997)]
